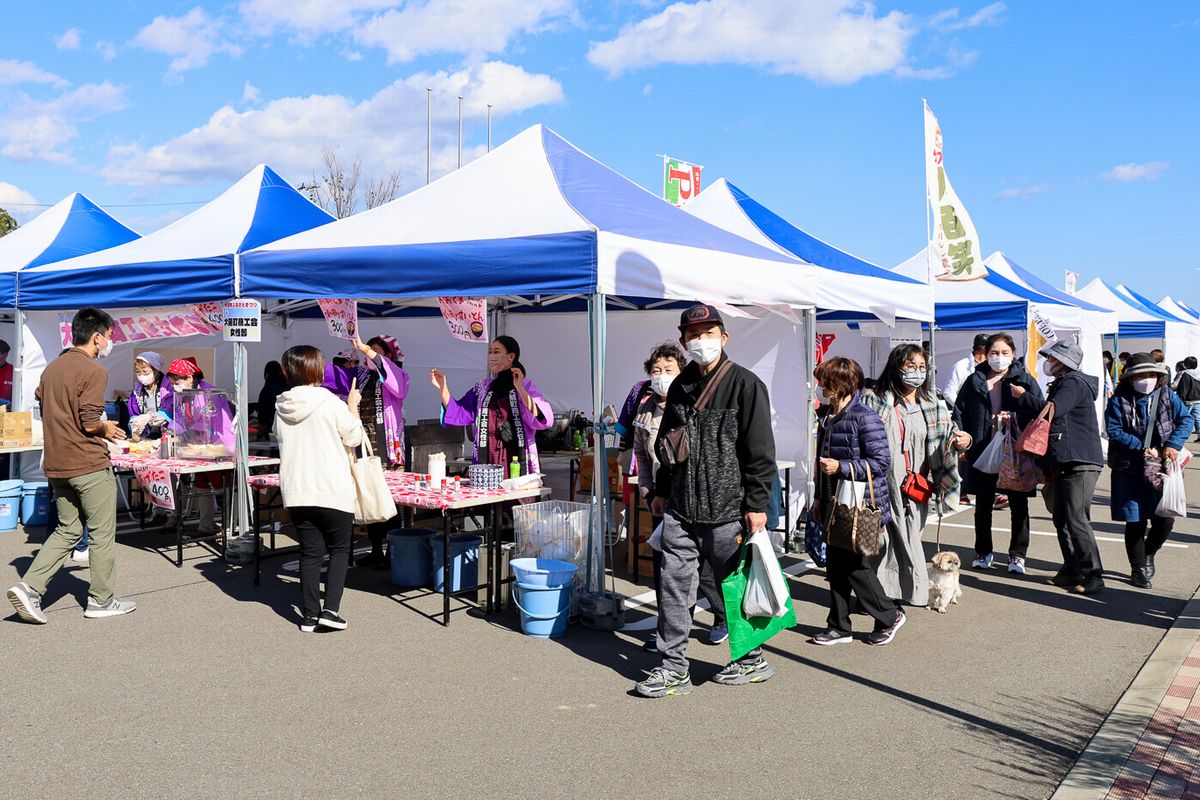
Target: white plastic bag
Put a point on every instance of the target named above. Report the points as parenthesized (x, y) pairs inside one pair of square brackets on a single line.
[(1174, 501), (992, 457), (655, 540), (767, 589)]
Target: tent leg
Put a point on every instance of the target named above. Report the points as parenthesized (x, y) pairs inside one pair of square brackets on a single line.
[(597, 316), (808, 330), (241, 489)]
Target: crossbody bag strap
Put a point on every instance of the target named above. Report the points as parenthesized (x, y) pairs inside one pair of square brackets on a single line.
[(711, 388), (903, 450), (1151, 416)]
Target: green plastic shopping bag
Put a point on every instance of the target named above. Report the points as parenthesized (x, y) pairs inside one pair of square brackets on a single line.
[(747, 633)]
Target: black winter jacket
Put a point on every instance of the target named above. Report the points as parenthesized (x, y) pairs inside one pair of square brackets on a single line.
[(856, 438), (732, 462), (1074, 431), (973, 407)]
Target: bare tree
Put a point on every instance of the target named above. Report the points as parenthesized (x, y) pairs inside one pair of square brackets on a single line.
[(382, 190), (336, 190)]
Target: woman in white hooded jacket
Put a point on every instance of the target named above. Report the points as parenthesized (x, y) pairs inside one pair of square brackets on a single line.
[(314, 428)]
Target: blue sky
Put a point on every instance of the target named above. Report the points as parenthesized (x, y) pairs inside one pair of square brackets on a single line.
[(1070, 129)]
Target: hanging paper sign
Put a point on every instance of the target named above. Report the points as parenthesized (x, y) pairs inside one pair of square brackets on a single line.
[(681, 180), (147, 324), (824, 340), (341, 314), (242, 320), (1070, 282), (210, 313), (466, 317), (955, 252), (157, 485)]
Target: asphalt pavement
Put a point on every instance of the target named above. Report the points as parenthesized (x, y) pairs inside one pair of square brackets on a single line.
[(208, 690)]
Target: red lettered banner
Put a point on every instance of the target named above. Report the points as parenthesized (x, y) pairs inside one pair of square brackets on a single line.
[(157, 485), (466, 317)]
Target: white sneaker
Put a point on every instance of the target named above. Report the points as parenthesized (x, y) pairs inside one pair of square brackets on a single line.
[(80, 556), (983, 562), (1016, 564), (28, 603), (113, 608)]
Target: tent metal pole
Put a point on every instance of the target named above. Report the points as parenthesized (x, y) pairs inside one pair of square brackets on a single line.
[(807, 417), (597, 314), (18, 384)]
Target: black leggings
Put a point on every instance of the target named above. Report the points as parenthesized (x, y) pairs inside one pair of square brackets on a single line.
[(1139, 544), (322, 531), (984, 485)]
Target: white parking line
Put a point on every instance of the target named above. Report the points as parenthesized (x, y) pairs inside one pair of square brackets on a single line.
[(1055, 535)]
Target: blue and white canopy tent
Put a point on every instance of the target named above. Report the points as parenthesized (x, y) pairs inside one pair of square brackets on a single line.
[(538, 222), (1142, 321), (1178, 308), (71, 227)]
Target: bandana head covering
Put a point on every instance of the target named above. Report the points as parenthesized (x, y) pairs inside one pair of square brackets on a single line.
[(183, 367)]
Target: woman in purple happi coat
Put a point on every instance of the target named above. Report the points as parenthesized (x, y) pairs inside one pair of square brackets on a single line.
[(505, 410), (383, 383), (152, 398)]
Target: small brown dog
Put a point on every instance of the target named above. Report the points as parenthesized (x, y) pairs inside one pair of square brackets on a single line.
[(943, 581)]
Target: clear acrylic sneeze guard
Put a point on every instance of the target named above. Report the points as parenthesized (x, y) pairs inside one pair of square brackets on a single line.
[(203, 424)]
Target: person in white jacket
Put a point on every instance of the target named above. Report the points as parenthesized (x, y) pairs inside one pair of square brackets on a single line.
[(314, 429), (964, 367)]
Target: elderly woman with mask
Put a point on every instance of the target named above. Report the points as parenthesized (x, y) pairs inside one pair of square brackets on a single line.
[(152, 401)]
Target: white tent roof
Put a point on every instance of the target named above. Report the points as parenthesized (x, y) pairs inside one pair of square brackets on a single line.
[(1178, 309), (842, 281), (1070, 312)]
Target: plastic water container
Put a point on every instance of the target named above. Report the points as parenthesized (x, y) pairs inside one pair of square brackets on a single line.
[(10, 504), (542, 571), (35, 503), (544, 609), (408, 549), (464, 562)]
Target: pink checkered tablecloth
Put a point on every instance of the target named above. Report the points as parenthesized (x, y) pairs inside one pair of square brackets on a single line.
[(405, 492), (183, 466)]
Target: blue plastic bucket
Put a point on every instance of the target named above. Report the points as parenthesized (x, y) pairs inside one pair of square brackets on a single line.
[(544, 609), (464, 562), (10, 504), (542, 571), (408, 549), (35, 503)]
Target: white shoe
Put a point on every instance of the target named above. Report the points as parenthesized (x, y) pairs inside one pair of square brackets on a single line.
[(983, 562), (1016, 564), (113, 608), (80, 556)]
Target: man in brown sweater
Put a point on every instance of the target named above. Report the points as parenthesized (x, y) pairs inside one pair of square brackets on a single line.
[(76, 463)]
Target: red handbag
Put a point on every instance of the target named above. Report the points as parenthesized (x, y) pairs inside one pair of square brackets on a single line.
[(915, 486), (1035, 439)]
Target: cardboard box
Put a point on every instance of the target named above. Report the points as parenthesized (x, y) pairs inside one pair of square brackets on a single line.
[(587, 472), (16, 429)]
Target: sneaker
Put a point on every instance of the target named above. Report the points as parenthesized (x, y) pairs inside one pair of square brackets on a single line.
[(1001, 501), (1139, 578), (963, 500), (748, 670), (1016, 564), (983, 562), (651, 645), (882, 637), (831, 637), (1149, 566), (1062, 579), (115, 607), (28, 603), (1090, 585), (663, 682), (718, 633), (80, 556), (308, 624), (330, 619)]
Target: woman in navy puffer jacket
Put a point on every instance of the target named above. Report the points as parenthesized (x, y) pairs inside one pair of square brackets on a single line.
[(852, 438)]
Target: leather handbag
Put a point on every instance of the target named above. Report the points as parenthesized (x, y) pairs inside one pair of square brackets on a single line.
[(373, 499), (1035, 439), (856, 526), (673, 445)]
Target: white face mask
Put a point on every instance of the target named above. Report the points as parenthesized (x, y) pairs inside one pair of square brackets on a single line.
[(914, 378), (999, 363), (704, 351), (661, 383), (1145, 385), (105, 351), (146, 380)]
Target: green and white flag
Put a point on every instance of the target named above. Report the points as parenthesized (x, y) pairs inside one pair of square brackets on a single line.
[(681, 180), (954, 242)]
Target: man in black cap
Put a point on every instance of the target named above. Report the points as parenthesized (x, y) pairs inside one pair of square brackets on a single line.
[(717, 453), (964, 367)]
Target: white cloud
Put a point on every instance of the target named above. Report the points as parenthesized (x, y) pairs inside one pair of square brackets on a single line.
[(250, 93), (648, 90), (18, 202), (149, 224), (353, 55), (386, 130), (192, 39), (1133, 172), (37, 130), (14, 72), (107, 50), (456, 26), (71, 39), (831, 41), (308, 18), (1022, 192), (948, 20)]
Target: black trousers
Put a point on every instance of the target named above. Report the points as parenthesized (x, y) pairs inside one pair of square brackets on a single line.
[(708, 582), (984, 486), (1073, 490), (849, 572), (1139, 544), (322, 531)]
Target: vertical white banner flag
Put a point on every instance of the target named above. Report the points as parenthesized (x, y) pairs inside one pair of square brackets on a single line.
[(1070, 282), (955, 243)]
